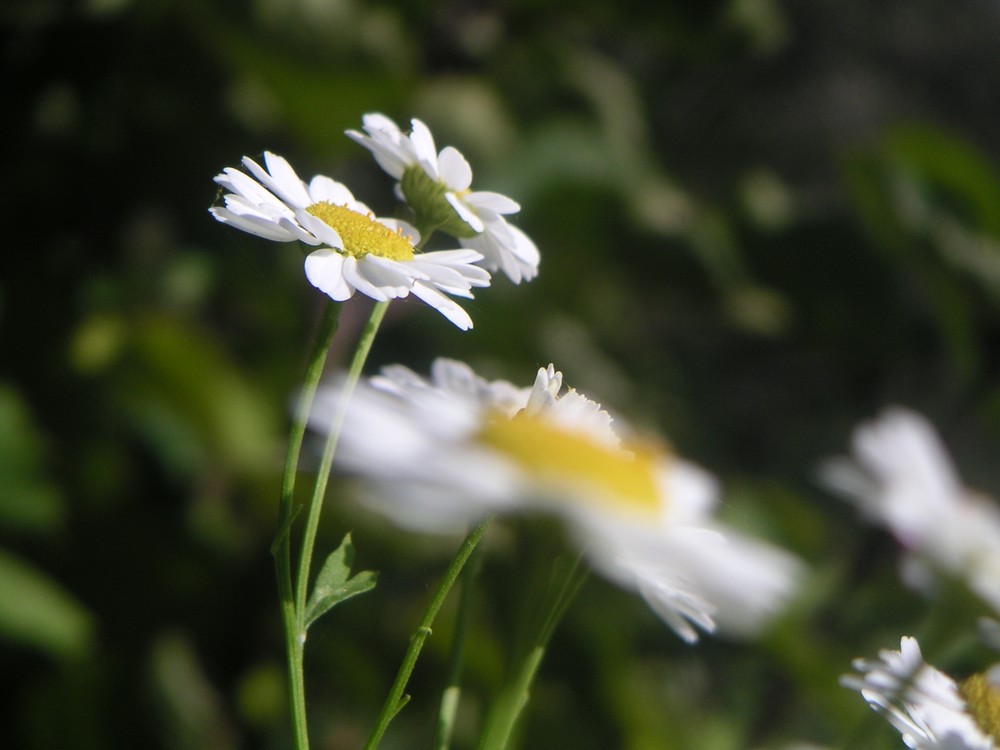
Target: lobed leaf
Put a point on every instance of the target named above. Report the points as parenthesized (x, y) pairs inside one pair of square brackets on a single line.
[(335, 584)]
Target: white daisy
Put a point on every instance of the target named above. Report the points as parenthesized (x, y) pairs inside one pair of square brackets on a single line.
[(930, 710), (902, 477), (437, 186), (440, 453), (356, 250)]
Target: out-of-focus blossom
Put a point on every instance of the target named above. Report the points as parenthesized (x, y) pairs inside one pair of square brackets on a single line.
[(442, 452), (901, 476)]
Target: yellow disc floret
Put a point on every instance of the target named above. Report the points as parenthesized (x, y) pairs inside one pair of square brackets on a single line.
[(982, 698), (362, 235), (623, 479)]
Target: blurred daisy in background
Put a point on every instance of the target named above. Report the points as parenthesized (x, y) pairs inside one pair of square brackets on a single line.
[(901, 476), (357, 251), (440, 453), (437, 186), (928, 707)]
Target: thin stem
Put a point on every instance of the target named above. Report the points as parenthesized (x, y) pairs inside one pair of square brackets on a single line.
[(453, 690), (282, 547), (395, 700), (326, 463), (514, 698)]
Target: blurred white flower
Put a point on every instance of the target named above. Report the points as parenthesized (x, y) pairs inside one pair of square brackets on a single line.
[(901, 476), (437, 186), (440, 453), (357, 251), (924, 704)]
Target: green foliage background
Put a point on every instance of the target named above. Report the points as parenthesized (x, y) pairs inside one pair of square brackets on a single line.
[(760, 222)]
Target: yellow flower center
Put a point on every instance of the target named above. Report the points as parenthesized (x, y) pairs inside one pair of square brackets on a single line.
[(362, 235), (623, 479), (983, 703)]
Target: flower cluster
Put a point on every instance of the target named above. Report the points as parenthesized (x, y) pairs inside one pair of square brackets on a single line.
[(439, 453), (382, 258), (901, 476)]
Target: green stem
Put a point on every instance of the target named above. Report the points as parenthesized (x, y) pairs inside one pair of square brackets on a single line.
[(326, 463), (514, 697), (512, 701), (395, 700), (453, 691), (281, 549)]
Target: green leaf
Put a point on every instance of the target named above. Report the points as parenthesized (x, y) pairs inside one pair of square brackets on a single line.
[(37, 611), (29, 500), (192, 403), (335, 584)]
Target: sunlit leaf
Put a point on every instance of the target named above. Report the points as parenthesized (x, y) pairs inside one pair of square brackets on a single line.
[(36, 611), (193, 404), (192, 711), (28, 499), (952, 173)]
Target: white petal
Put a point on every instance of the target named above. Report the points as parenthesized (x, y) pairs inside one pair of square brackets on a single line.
[(495, 202), (355, 275), (423, 147), (320, 229), (378, 121), (524, 249), (242, 184), (450, 280), (458, 256), (300, 233), (253, 225), (691, 492), (506, 247), (444, 305), (454, 261), (390, 274), (665, 586), (455, 171), (465, 212), (322, 188), (445, 279), (280, 178), (746, 579), (243, 206), (385, 141), (325, 271)]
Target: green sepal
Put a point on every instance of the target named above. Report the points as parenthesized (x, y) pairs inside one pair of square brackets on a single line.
[(335, 584), (426, 198)]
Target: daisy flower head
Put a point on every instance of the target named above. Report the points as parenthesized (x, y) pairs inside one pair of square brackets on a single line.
[(929, 709), (437, 187), (355, 250), (901, 476), (439, 453)]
